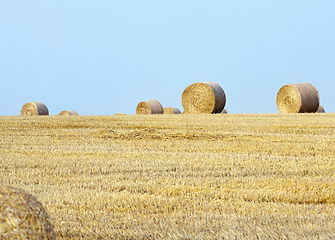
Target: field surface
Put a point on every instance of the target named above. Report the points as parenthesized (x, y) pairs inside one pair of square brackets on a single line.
[(224, 176)]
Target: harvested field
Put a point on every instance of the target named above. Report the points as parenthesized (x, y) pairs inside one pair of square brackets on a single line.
[(178, 176)]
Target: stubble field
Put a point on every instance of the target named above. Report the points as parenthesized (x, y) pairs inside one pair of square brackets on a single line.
[(222, 176)]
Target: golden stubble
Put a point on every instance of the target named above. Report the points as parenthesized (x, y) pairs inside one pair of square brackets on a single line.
[(176, 176)]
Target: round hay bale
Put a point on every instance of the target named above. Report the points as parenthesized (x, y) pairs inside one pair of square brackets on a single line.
[(203, 97), (34, 108), (297, 98), (224, 111), (320, 109), (22, 216), (117, 114), (149, 107), (69, 113), (171, 110)]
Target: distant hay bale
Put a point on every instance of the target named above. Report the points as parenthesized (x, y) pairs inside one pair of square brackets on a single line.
[(171, 110), (22, 216), (69, 113), (149, 107), (320, 109), (297, 98), (224, 111), (117, 114), (34, 108), (203, 97)]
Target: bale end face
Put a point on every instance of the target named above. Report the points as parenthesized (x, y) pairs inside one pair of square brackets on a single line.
[(22, 216), (288, 99)]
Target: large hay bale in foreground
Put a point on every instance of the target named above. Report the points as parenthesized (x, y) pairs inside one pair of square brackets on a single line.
[(203, 97), (34, 108), (69, 113), (149, 107), (320, 109), (22, 216), (171, 110), (298, 98)]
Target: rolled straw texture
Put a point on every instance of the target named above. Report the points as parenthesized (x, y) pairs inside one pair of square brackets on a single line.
[(22, 216), (320, 109), (203, 97), (297, 98), (34, 108), (149, 107), (171, 110), (69, 113)]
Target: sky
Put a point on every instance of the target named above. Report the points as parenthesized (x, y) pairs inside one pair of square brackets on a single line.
[(104, 57)]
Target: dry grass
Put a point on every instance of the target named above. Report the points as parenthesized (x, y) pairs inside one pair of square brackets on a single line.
[(184, 176)]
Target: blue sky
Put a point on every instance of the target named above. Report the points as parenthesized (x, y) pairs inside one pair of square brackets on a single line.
[(104, 57)]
